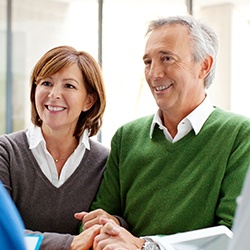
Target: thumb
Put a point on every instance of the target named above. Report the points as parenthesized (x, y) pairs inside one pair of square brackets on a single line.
[(80, 215)]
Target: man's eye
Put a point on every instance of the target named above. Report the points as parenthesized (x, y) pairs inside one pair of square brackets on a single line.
[(146, 62), (167, 58)]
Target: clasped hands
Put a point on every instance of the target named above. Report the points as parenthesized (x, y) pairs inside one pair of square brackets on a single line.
[(101, 231)]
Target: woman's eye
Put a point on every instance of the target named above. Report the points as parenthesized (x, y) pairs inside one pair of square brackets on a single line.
[(45, 83), (69, 86)]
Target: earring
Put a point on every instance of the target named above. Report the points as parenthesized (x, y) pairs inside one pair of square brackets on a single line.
[(84, 109)]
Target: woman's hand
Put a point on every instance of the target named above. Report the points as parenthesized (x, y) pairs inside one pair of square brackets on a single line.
[(93, 218), (84, 240)]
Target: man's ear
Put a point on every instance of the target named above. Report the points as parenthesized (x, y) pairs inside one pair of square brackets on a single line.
[(206, 66)]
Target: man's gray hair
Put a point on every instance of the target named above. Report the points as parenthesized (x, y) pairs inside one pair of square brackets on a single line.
[(205, 41)]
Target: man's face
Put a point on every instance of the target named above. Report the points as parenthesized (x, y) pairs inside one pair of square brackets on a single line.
[(176, 81)]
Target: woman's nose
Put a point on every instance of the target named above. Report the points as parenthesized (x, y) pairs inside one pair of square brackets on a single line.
[(54, 92)]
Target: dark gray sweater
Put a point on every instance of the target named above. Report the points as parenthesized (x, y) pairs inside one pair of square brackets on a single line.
[(43, 207)]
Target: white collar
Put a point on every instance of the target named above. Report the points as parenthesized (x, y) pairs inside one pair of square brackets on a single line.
[(196, 118), (35, 137)]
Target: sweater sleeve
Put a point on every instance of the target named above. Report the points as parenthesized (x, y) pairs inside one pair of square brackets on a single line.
[(108, 195), (54, 241), (238, 163)]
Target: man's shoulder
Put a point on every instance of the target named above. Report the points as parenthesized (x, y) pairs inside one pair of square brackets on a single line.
[(229, 115)]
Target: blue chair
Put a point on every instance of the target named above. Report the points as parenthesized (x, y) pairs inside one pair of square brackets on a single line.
[(11, 225)]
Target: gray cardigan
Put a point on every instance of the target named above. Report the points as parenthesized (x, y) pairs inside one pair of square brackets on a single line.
[(44, 208)]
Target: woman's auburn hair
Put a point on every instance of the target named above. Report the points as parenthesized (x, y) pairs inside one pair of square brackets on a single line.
[(62, 57)]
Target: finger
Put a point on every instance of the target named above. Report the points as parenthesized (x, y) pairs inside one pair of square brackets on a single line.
[(92, 218), (101, 237), (91, 223), (80, 215), (85, 239), (100, 241), (110, 228), (112, 246), (104, 221)]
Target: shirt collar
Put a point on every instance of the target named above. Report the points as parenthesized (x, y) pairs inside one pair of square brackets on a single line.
[(35, 137), (199, 115), (196, 118)]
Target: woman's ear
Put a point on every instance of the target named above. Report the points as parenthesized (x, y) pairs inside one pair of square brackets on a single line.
[(91, 99)]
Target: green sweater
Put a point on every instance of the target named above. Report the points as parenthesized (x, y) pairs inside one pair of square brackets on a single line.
[(160, 187)]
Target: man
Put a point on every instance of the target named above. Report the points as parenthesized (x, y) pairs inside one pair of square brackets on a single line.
[(182, 168)]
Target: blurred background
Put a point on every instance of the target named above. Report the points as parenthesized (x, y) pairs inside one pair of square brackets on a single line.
[(113, 32)]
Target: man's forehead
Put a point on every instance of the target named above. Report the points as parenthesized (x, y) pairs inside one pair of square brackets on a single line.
[(166, 38)]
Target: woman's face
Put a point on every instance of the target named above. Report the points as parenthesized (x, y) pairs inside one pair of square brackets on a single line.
[(61, 98)]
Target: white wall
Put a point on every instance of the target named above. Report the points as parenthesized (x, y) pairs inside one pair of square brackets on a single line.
[(231, 87)]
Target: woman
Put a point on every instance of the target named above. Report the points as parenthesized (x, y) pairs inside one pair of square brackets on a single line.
[(54, 169)]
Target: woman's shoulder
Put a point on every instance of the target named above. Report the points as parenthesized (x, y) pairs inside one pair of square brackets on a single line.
[(98, 147), (17, 136)]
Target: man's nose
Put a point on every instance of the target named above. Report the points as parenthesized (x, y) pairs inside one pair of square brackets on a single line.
[(156, 71)]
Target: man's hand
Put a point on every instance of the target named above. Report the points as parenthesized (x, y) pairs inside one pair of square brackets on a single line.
[(93, 218), (114, 237)]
